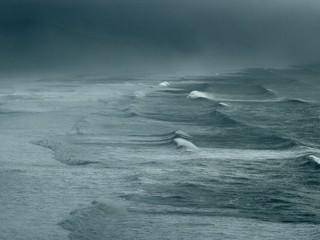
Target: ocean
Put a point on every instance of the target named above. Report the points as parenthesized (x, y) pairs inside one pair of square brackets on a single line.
[(229, 156)]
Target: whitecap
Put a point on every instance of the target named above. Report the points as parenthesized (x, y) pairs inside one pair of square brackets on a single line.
[(224, 104), (164, 84), (315, 159), (185, 144), (198, 94)]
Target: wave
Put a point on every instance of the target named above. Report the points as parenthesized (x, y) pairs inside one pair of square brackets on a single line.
[(310, 160), (8, 112), (223, 104), (213, 118), (164, 84), (199, 94), (181, 134), (64, 153), (244, 137), (131, 110), (185, 144), (102, 219), (181, 139), (209, 96), (139, 94), (167, 136), (235, 93), (315, 159), (294, 101), (220, 117), (251, 154), (217, 118), (278, 142)]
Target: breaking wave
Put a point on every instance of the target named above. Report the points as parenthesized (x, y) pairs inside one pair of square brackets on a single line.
[(199, 94), (181, 139)]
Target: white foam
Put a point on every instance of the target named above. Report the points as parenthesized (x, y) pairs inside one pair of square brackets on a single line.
[(198, 94), (224, 104), (315, 159), (185, 144), (164, 84)]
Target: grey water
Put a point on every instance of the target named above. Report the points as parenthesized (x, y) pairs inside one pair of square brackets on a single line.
[(228, 156)]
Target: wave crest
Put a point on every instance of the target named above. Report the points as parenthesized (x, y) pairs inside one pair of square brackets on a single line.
[(198, 94)]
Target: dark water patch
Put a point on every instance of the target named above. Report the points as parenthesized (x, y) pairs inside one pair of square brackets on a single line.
[(305, 70), (268, 75), (214, 118), (219, 119), (65, 152), (240, 91), (97, 221), (244, 138), (173, 91), (12, 171), (9, 112), (258, 200), (294, 102)]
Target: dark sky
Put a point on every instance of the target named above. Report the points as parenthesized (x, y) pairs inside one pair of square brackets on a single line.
[(157, 34)]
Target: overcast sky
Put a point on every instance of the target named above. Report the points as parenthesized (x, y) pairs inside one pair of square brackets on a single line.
[(157, 34)]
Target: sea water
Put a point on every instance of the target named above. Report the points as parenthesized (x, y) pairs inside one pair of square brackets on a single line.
[(228, 156)]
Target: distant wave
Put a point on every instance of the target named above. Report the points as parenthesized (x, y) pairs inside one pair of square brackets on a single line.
[(164, 84), (261, 95), (294, 101), (279, 142), (212, 118), (225, 100), (217, 118), (223, 104), (199, 94), (173, 90), (235, 135), (166, 136), (7, 112)]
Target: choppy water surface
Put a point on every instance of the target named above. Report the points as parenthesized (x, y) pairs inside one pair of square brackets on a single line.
[(232, 156)]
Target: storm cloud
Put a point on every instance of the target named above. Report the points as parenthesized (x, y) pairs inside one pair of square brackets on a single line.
[(143, 34)]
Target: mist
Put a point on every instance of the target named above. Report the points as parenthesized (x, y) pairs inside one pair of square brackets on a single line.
[(151, 35)]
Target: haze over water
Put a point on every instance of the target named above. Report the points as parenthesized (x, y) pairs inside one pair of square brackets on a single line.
[(159, 120)]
